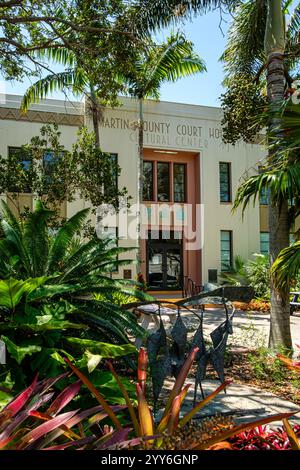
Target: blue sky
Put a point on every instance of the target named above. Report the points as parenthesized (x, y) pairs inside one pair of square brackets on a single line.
[(202, 89)]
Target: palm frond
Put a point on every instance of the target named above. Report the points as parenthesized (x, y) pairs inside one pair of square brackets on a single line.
[(60, 55), (169, 62), (286, 267), (35, 238), (282, 182), (9, 216), (17, 247), (63, 239), (148, 16), (75, 79), (245, 45)]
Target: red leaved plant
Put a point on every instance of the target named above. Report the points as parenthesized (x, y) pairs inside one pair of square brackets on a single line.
[(37, 420)]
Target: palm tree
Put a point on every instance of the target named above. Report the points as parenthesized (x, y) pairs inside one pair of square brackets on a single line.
[(258, 41), (74, 78), (167, 62)]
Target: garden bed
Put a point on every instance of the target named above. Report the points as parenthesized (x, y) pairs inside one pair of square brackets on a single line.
[(258, 370)]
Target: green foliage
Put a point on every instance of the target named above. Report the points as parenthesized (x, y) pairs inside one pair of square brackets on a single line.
[(95, 170), (53, 312), (28, 28), (39, 420), (56, 175), (266, 366), (237, 276), (242, 102), (285, 269), (258, 272), (255, 273), (156, 65), (245, 100)]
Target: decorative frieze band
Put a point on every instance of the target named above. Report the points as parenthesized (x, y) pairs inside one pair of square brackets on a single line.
[(42, 116)]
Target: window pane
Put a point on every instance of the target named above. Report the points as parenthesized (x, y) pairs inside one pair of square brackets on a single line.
[(265, 192), (264, 243), (163, 181), (25, 160), (179, 182), (225, 235), (264, 196), (148, 181), (226, 250), (225, 184)]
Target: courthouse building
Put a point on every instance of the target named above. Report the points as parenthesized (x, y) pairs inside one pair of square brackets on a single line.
[(190, 180)]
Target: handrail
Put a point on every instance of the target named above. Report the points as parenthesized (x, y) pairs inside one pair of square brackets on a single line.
[(190, 288)]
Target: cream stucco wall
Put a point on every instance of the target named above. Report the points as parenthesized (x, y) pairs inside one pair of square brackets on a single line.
[(172, 121), (167, 128)]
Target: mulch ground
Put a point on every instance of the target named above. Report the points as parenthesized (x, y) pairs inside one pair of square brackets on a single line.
[(239, 369)]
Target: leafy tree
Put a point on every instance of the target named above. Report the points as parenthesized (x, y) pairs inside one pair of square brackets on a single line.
[(47, 307), (259, 41), (55, 174), (29, 26), (245, 61)]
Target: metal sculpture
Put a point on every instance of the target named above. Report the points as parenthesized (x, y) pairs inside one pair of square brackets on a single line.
[(167, 355)]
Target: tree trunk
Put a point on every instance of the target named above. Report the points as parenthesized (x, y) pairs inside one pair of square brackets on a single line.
[(140, 181), (95, 115), (280, 331)]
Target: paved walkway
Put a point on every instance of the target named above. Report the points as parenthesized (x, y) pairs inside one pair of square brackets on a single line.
[(250, 330), (241, 402)]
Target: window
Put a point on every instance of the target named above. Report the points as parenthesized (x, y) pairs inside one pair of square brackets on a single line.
[(265, 192), (167, 189), (148, 190), (226, 250), (264, 243), (163, 182), (179, 177), (113, 186), (48, 164), (24, 158), (264, 196), (225, 182)]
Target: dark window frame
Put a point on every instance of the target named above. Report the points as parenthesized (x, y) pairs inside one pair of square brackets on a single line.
[(184, 183), (260, 242), (153, 177), (171, 164), (170, 181), (229, 188), (230, 250)]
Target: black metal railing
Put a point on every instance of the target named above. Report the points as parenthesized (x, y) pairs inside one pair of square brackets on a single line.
[(190, 288)]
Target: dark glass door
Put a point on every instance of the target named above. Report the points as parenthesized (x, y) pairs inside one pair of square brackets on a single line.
[(165, 266)]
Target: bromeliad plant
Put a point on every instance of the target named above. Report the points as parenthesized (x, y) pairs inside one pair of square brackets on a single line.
[(28, 422)]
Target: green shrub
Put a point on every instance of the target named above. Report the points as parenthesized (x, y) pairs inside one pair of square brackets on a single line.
[(266, 366), (258, 272), (46, 296), (254, 273)]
